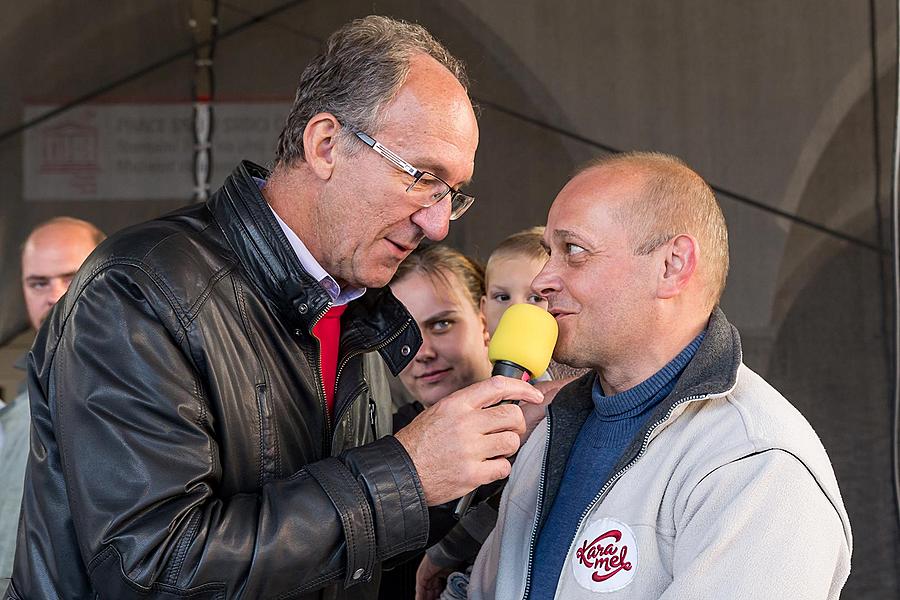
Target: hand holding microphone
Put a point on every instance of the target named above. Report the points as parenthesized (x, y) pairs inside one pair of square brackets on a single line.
[(462, 441), (522, 343)]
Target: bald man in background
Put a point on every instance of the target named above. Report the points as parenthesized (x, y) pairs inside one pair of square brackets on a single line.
[(51, 255)]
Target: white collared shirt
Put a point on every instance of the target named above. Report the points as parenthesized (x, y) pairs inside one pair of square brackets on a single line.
[(312, 266)]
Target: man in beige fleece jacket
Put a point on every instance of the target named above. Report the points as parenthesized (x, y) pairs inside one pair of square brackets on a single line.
[(718, 487)]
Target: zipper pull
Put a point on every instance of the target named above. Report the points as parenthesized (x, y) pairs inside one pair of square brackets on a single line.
[(373, 417)]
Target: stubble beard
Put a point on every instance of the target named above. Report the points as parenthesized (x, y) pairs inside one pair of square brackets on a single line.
[(566, 351)]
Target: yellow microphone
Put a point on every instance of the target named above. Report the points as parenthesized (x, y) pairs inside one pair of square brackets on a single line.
[(522, 343)]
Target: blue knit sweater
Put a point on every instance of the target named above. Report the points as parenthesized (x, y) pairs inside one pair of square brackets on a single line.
[(603, 438)]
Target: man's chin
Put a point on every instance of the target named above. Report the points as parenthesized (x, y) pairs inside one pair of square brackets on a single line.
[(571, 355), (373, 282), (376, 276)]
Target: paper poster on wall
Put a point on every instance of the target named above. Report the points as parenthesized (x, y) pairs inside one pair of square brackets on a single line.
[(139, 151)]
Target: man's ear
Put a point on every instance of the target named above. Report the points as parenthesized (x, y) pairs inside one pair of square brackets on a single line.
[(681, 255), (319, 139)]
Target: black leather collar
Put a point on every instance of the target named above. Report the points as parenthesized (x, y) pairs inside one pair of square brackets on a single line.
[(377, 320)]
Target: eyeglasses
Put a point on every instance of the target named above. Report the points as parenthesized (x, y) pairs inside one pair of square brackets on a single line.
[(427, 188)]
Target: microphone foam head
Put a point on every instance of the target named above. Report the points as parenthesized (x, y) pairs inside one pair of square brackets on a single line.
[(525, 336)]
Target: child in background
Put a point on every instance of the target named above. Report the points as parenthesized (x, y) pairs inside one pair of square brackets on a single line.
[(441, 288), (511, 268)]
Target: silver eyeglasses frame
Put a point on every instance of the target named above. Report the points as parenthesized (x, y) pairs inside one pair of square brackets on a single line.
[(459, 201)]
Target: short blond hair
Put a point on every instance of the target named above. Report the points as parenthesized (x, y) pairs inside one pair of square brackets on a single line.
[(674, 200), (526, 243)]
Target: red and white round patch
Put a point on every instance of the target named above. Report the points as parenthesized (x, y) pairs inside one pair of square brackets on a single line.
[(605, 557)]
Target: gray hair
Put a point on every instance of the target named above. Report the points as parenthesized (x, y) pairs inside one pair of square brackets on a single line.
[(360, 71)]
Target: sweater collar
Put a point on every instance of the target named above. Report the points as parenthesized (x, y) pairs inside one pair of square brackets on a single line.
[(649, 392)]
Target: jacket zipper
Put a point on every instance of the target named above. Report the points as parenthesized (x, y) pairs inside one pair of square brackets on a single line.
[(538, 509), (323, 403), (337, 376), (625, 469), (373, 418)]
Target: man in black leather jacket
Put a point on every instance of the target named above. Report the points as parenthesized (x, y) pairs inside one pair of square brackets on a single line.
[(183, 442)]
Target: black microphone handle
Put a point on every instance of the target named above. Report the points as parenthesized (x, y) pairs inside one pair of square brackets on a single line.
[(507, 369)]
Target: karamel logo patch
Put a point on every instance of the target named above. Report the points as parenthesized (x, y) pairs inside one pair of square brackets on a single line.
[(606, 556)]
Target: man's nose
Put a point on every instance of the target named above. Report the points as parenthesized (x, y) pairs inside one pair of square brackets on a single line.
[(58, 287), (546, 282), (434, 221)]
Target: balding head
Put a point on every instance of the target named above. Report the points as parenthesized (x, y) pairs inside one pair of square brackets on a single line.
[(638, 256), (673, 200), (51, 255)]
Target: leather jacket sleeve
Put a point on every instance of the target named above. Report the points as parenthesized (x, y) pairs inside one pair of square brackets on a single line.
[(138, 446)]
